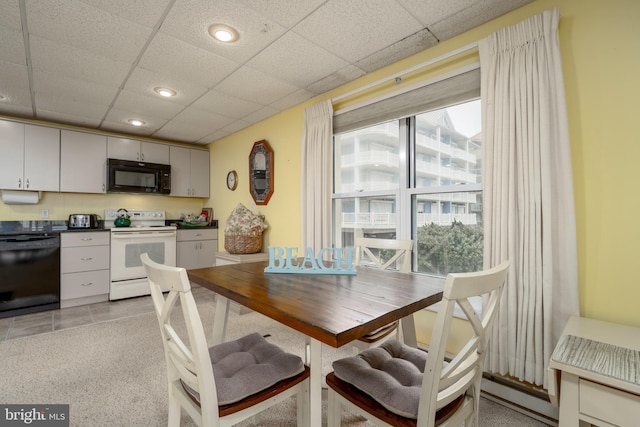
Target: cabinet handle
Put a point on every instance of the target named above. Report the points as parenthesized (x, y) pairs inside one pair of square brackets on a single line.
[(86, 284), (86, 259), (19, 182), (27, 182), (86, 239)]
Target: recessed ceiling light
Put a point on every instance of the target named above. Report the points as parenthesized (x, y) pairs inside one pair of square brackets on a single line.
[(3, 98), (136, 122), (223, 33), (165, 91)]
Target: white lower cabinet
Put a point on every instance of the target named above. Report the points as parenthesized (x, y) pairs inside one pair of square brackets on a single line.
[(196, 248), (84, 268)]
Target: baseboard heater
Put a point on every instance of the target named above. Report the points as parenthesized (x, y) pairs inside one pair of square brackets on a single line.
[(530, 402)]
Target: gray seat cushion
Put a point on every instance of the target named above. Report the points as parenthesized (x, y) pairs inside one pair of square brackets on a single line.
[(391, 374), (247, 366)]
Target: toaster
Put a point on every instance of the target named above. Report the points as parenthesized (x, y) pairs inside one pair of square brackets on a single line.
[(83, 221)]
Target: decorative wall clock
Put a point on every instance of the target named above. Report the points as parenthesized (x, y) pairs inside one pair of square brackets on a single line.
[(232, 180), (261, 172)]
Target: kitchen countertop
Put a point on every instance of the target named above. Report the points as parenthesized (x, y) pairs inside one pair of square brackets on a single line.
[(176, 222), (32, 227), (59, 226)]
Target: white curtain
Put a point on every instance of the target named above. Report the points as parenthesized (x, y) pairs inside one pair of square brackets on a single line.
[(317, 161), (528, 194)]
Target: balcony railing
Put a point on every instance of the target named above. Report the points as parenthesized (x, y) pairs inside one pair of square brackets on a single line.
[(384, 220), (376, 157), (437, 146)]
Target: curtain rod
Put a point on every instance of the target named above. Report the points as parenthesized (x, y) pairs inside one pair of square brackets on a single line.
[(408, 70)]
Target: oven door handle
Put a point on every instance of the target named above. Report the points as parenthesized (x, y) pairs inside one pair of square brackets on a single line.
[(128, 234)]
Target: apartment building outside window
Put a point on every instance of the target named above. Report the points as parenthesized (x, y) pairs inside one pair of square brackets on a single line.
[(419, 178)]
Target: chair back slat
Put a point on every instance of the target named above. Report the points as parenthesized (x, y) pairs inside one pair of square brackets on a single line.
[(401, 259)]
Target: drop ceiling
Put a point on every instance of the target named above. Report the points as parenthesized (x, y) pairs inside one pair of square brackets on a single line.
[(95, 63)]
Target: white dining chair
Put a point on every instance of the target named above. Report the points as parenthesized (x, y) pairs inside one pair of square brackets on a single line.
[(398, 385), (229, 382), (382, 254)]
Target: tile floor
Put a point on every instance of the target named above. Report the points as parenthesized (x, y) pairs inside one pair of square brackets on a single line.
[(48, 321)]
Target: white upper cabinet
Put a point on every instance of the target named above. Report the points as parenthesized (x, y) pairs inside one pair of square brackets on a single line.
[(30, 157), (189, 172), (137, 151), (83, 162)]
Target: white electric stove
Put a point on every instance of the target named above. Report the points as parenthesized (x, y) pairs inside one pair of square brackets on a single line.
[(146, 234)]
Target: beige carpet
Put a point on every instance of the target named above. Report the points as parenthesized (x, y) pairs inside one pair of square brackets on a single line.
[(113, 373)]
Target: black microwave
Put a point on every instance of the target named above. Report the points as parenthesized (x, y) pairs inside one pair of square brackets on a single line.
[(124, 176)]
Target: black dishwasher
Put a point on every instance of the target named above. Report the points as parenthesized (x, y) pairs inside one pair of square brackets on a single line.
[(29, 273)]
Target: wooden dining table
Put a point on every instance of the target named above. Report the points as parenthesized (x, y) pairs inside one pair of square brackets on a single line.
[(331, 309)]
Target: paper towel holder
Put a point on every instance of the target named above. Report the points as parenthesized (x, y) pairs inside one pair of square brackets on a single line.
[(17, 197)]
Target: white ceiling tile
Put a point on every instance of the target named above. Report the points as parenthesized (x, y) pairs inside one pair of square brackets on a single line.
[(296, 60), (9, 109), (406, 47), (478, 13), (428, 12), (203, 118), (143, 81), (63, 86), (12, 46), (214, 136), (271, 89), (226, 105), (237, 126), (297, 97), (182, 131), (284, 13), (10, 14), (372, 25), (93, 30), (261, 114), (336, 79), (141, 104), (14, 85), (53, 57), (121, 118), (189, 20), (127, 129), (144, 12), (66, 105), (169, 56), (57, 116)]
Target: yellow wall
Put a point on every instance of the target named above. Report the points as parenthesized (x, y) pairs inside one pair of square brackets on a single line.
[(601, 60)]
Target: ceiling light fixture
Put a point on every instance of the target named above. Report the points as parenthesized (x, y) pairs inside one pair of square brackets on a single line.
[(3, 98), (136, 122), (164, 91), (223, 33)]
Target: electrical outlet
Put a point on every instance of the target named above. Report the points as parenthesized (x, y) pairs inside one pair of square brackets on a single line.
[(44, 214)]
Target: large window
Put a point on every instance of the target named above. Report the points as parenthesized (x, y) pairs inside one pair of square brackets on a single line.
[(419, 178)]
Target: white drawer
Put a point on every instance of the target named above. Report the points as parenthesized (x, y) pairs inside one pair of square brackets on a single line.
[(197, 234), (615, 406), (84, 259), (79, 285), (84, 238)]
